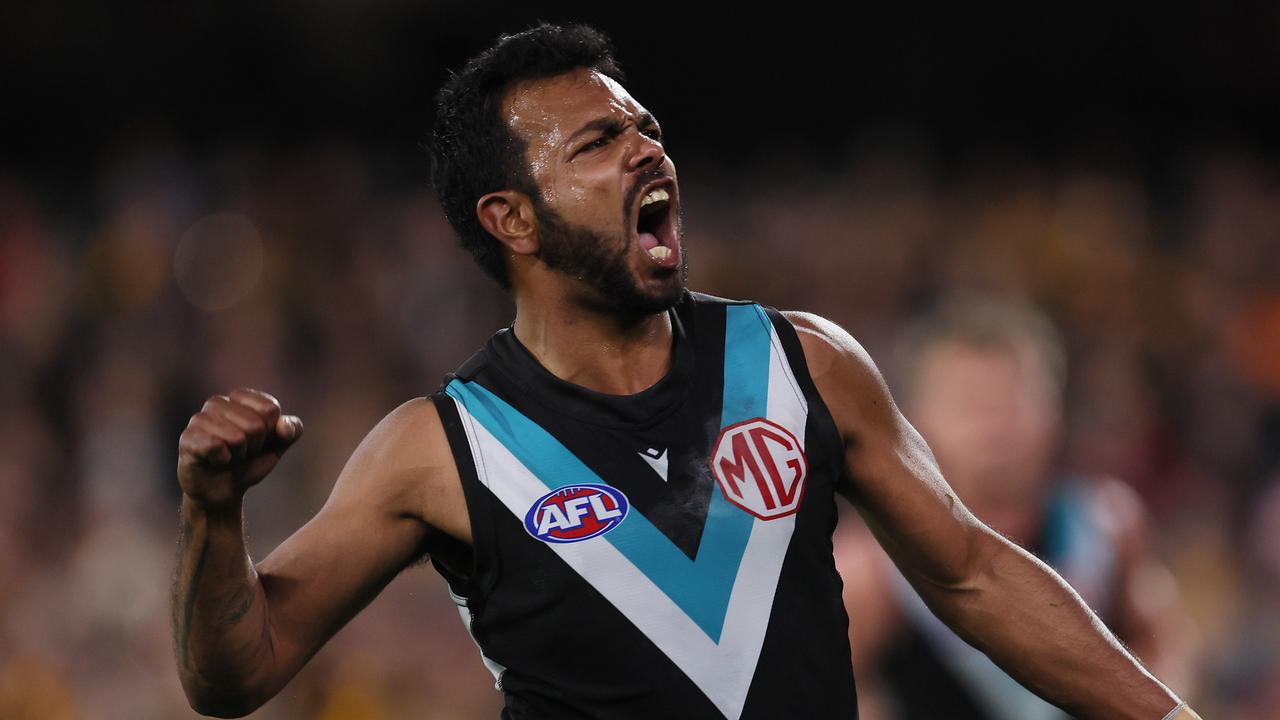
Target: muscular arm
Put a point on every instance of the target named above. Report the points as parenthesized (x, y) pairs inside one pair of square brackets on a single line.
[(242, 631), (995, 595)]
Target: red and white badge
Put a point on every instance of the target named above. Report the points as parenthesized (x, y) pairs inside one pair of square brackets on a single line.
[(760, 467)]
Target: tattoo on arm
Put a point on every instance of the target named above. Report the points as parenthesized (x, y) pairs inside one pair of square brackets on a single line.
[(238, 605), (185, 582)]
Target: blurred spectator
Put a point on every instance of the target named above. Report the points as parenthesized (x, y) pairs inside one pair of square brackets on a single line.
[(983, 380)]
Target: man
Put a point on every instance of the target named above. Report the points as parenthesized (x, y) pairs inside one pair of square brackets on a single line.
[(631, 490), (982, 380)]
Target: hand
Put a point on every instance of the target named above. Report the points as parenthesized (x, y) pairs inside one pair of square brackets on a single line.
[(230, 445)]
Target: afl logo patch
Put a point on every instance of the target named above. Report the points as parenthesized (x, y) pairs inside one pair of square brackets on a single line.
[(576, 512)]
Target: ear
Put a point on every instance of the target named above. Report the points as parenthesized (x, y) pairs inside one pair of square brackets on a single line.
[(508, 216)]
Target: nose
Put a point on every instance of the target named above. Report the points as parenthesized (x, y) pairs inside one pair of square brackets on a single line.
[(646, 153)]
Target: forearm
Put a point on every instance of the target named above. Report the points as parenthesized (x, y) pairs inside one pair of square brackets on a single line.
[(1031, 623), (222, 638)]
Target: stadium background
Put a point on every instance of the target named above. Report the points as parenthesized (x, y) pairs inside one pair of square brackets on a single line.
[(195, 199)]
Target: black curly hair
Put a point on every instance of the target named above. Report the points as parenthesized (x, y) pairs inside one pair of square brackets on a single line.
[(472, 150)]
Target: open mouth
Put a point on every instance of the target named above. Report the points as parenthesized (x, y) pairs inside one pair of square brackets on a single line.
[(655, 225)]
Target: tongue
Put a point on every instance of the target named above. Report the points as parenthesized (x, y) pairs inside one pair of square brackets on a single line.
[(648, 241)]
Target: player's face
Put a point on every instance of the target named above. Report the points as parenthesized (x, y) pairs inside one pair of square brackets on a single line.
[(595, 154)]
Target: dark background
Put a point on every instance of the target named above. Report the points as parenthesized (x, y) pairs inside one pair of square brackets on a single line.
[(197, 197), (1049, 79)]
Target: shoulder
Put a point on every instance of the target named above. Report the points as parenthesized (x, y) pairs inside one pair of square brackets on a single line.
[(410, 433), (853, 391), (822, 336), (404, 465), (836, 360)]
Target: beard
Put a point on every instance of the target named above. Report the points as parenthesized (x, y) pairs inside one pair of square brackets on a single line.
[(601, 264)]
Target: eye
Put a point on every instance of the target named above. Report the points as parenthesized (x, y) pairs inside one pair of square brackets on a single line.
[(654, 133)]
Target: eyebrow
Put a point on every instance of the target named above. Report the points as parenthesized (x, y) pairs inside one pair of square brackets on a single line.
[(609, 122)]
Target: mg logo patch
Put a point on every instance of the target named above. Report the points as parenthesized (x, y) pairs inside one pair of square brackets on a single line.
[(760, 467), (576, 512)]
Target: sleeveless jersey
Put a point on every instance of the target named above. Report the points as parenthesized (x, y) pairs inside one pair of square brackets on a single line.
[(666, 553)]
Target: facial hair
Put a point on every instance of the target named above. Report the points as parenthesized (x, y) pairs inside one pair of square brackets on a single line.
[(592, 258)]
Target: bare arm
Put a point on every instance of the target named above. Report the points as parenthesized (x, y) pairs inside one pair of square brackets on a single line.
[(242, 631), (995, 595)]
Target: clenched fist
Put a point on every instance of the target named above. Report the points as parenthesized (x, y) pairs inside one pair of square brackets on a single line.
[(231, 444)]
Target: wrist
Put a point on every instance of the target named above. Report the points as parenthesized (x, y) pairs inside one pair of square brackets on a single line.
[(223, 513), (1182, 712)]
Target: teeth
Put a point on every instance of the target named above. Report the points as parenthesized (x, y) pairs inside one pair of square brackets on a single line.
[(654, 196), (660, 252)]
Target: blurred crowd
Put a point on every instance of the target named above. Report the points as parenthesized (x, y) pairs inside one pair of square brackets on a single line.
[(328, 276)]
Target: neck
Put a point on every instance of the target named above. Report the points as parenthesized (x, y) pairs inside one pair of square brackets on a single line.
[(590, 347)]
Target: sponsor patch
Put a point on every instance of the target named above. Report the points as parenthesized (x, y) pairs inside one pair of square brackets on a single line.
[(576, 512), (761, 468)]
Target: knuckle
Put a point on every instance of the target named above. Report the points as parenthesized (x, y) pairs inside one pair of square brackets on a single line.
[(258, 401), (247, 417), (263, 398), (258, 430), (216, 401), (200, 451)]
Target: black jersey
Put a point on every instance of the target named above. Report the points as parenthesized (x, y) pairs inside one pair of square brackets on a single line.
[(666, 553)]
